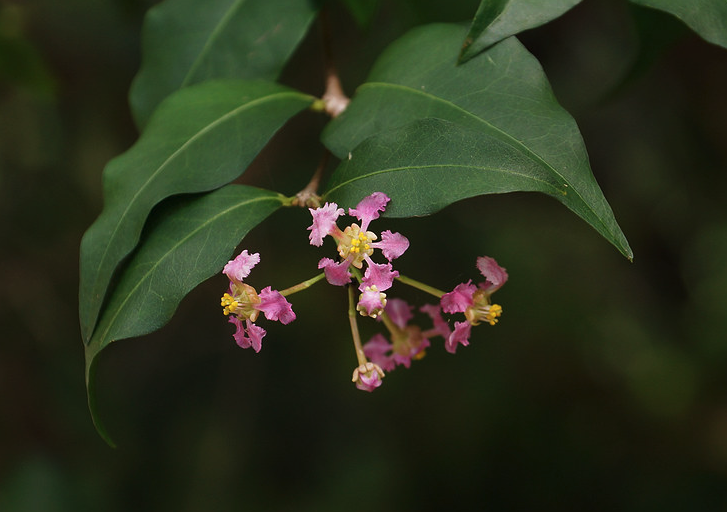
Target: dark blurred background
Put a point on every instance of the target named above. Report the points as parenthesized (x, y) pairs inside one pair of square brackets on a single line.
[(604, 387)]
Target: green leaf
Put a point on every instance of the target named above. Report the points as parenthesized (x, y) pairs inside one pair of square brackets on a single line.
[(188, 240), (708, 18), (199, 139), (496, 20), (363, 11), (185, 42), (431, 163), (503, 93)]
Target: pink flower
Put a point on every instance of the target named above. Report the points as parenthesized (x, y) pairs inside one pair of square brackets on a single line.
[(243, 304), (473, 301), (368, 376), (408, 342), (355, 244), (371, 302)]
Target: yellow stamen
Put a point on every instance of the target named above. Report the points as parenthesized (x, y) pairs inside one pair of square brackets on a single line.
[(493, 315), (228, 303)]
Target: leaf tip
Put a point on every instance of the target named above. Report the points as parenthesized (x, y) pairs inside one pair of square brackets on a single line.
[(91, 398)]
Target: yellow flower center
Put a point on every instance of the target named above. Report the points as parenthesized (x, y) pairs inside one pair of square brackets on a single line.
[(482, 310), (356, 243), (241, 302)]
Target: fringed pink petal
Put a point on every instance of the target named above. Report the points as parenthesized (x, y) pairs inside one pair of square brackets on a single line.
[(239, 268), (275, 306), (494, 274), (369, 207), (324, 222), (336, 273), (459, 299)]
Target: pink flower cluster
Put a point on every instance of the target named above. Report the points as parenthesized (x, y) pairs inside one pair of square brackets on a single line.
[(409, 342), (355, 246), (242, 303)]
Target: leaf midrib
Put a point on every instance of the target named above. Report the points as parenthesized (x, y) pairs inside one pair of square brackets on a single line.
[(210, 41), (436, 166), (518, 144), (171, 250)]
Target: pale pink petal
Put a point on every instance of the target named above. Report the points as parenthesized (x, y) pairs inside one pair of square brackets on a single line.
[(242, 340), (392, 245), (369, 207), (399, 311), (441, 327), (494, 274), (460, 335), (378, 274), (256, 334), (459, 299), (324, 222), (275, 306), (336, 273), (371, 301), (239, 268), (378, 349), (368, 382)]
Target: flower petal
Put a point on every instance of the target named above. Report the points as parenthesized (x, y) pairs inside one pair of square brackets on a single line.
[(378, 349), (399, 311), (368, 376), (414, 345), (441, 327), (254, 332), (324, 221), (275, 306), (369, 207), (336, 273), (459, 299), (239, 268), (392, 245), (494, 274), (371, 302), (460, 335), (378, 274)]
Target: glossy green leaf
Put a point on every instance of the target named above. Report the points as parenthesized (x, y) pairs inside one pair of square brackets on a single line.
[(708, 18), (496, 20), (199, 139), (502, 93), (185, 42), (189, 240), (431, 163)]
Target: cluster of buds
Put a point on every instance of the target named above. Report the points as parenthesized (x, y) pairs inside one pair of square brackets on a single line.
[(356, 245)]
